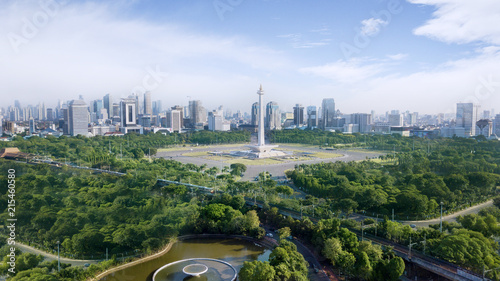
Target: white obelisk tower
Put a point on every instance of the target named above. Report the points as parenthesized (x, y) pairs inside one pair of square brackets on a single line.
[(261, 150), (261, 138)]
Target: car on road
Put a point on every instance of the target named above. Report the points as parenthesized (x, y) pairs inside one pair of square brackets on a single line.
[(413, 225), (269, 234)]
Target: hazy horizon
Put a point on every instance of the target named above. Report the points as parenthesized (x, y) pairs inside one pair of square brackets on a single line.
[(416, 55)]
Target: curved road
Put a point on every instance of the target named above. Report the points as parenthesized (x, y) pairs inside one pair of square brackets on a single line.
[(277, 170), (52, 257)]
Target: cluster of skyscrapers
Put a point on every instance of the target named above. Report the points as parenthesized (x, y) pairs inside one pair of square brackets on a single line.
[(140, 114)]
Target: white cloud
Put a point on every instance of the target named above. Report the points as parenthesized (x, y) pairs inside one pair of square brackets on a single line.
[(91, 49), (372, 26), (462, 21), (475, 79), (397, 56), (342, 71)]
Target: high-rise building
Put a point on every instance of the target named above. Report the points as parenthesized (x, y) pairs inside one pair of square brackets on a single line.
[(108, 104), (467, 118), (273, 116), (298, 115), (50, 114), (148, 109), (363, 120), (97, 106), (181, 110), (32, 126), (327, 113), (215, 121), (116, 110), (496, 125), (14, 114), (197, 112), (312, 117), (78, 116), (412, 118), (174, 120), (128, 112), (255, 114), (157, 108), (396, 120)]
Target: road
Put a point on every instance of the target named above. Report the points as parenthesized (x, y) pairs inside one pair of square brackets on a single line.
[(277, 170), (452, 217), (51, 257)]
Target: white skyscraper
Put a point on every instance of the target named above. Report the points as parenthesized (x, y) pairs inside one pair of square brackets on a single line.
[(327, 113), (148, 107), (467, 118), (78, 116)]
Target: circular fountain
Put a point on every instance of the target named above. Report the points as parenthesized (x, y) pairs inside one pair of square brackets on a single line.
[(197, 268)]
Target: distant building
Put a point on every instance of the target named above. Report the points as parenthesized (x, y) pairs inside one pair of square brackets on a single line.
[(128, 111), (181, 110), (157, 108), (255, 114), (174, 120), (312, 117), (32, 129), (108, 105), (396, 119), (214, 121), (298, 115), (78, 116), (485, 127), (327, 113), (198, 114), (148, 107), (449, 132), (273, 116), (496, 125), (363, 120), (50, 114), (467, 117)]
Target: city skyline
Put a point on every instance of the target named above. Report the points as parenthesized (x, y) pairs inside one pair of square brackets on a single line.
[(418, 55)]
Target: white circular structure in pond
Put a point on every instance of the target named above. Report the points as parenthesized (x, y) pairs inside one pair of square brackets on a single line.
[(195, 267)]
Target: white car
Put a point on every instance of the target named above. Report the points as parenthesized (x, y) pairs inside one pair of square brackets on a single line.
[(269, 234)]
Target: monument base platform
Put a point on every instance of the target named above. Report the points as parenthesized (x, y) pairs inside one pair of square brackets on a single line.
[(263, 151)]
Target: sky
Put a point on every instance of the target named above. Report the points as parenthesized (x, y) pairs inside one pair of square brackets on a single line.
[(381, 55)]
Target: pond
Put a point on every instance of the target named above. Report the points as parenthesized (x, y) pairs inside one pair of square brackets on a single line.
[(233, 251)]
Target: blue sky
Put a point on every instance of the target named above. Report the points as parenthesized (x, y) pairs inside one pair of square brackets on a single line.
[(417, 55)]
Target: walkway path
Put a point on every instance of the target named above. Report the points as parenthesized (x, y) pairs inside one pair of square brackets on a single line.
[(51, 257)]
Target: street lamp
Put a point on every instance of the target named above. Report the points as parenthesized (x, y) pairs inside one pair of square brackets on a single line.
[(409, 246), (441, 221), (58, 257)]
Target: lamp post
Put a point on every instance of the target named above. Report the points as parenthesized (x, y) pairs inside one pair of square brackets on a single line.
[(409, 246), (441, 221), (58, 257)]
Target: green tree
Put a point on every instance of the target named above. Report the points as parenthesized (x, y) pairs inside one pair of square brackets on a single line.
[(256, 271)]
